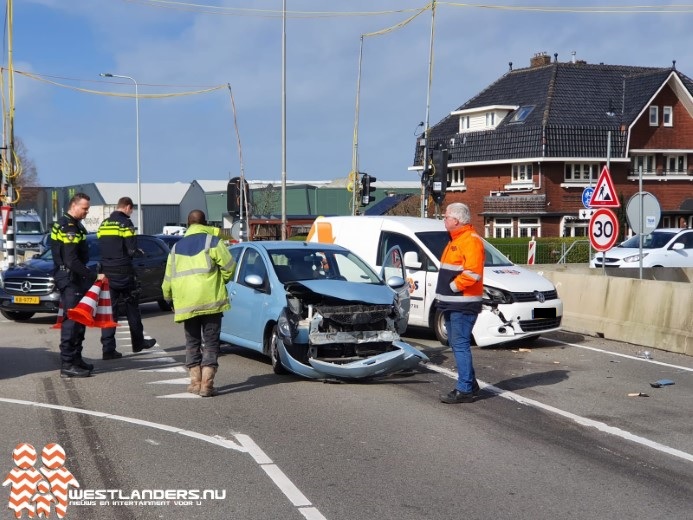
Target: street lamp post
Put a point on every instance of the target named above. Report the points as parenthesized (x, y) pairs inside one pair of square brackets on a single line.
[(140, 222)]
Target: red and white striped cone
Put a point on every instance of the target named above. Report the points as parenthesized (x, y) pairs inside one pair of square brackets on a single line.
[(86, 308), (104, 310), (61, 316)]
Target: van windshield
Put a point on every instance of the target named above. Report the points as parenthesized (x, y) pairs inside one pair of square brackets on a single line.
[(436, 241)]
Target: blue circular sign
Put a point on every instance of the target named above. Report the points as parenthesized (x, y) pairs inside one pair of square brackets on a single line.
[(587, 196)]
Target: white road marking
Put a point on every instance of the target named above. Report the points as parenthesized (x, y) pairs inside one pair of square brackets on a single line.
[(165, 369), (603, 427), (180, 381), (184, 395), (245, 445), (636, 358)]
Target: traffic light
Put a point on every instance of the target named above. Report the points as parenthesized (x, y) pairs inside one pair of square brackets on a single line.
[(233, 196), (439, 162), (367, 189)]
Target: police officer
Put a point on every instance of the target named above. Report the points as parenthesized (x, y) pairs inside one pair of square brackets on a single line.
[(73, 279), (118, 245)]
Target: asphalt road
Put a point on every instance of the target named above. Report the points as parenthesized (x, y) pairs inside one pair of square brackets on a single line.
[(554, 434)]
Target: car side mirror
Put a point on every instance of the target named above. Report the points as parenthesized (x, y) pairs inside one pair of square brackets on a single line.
[(677, 246), (254, 280), (396, 282), (411, 260)]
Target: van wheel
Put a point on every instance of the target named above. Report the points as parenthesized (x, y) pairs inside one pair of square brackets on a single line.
[(17, 315), (438, 327), (272, 341)]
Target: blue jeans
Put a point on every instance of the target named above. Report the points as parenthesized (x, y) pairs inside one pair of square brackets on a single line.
[(459, 326)]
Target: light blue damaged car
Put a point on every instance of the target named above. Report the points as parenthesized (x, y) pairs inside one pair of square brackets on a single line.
[(318, 311)]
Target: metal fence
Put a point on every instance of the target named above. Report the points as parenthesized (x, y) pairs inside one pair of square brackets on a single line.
[(548, 250)]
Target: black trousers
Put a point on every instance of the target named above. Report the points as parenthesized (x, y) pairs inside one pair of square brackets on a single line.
[(198, 329), (123, 296), (71, 332)]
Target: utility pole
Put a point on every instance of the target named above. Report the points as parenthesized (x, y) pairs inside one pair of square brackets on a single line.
[(424, 173), (9, 169)]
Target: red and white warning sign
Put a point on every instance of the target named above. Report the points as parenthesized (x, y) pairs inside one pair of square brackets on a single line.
[(604, 195)]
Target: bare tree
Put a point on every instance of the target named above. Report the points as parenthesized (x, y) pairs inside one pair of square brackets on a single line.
[(24, 176), (265, 200)]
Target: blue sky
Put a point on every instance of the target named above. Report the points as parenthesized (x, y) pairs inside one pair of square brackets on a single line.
[(76, 137)]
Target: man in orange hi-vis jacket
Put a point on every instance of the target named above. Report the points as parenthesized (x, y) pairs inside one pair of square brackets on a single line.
[(459, 294)]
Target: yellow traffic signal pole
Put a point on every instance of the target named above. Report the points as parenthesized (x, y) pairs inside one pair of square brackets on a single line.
[(8, 164)]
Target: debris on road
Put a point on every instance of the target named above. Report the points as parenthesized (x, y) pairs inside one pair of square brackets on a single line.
[(637, 394), (661, 383)]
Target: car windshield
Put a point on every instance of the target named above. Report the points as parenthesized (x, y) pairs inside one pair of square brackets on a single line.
[(436, 241), (311, 264), (654, 240), (30, 227)]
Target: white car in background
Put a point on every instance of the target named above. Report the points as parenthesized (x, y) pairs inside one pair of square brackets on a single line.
[(671, 247)]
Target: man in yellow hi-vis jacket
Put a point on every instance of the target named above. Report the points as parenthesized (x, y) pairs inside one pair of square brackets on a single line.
[(197, 270)]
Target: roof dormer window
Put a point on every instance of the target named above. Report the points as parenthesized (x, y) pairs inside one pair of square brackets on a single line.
[(521, 114)]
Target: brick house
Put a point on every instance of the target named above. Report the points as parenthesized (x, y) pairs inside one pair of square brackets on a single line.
[(522, 151)]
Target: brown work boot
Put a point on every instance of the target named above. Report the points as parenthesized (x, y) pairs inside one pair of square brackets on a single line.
[(195, 379), (207, 385)]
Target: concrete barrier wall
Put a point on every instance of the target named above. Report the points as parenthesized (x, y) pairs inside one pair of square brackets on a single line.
[(652, 313)]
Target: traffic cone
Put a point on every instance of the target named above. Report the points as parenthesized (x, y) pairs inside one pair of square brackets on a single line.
[(61, 315), (86, 308), (104, 310)]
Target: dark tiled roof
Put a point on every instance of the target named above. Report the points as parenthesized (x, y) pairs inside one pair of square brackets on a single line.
[(569, 119)]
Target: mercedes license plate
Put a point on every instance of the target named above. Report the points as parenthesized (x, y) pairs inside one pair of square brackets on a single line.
[(26, 299)]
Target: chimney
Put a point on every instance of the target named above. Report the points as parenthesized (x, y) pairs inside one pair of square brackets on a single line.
[(539, 60)]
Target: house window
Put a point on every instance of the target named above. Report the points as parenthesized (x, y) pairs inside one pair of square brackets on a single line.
[(490, 119), (503, 228), (575, 228), (529, 227), (644, 163), (464, 123), (522, 173), (675, 163), (654, 116), (668, 116), (581, 172), (456, 177)]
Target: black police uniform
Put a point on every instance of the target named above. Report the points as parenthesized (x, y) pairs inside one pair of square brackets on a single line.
[(118, 247), (73, 279)]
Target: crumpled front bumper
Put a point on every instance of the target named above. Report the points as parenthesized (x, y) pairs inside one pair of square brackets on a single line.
[(404, 358)]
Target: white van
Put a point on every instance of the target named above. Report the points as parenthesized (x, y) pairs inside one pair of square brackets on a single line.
[(518, 303)]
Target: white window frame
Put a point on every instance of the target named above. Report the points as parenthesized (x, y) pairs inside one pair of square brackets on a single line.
[(503, 227), (465, 123), (581, 173), (490, 119), (679, 162), (456, 178), (522, 173), (668, 116), (654, 115), (648, 161), (529, 227)]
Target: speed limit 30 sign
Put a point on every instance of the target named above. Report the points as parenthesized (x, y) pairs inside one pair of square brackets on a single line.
[(603, 229)]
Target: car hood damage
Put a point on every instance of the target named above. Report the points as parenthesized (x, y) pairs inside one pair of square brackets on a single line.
[(335, 329)]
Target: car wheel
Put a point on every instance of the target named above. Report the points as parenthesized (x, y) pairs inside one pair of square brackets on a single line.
[(438, 327), (164, 305), (17, 315), (273, 348)]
